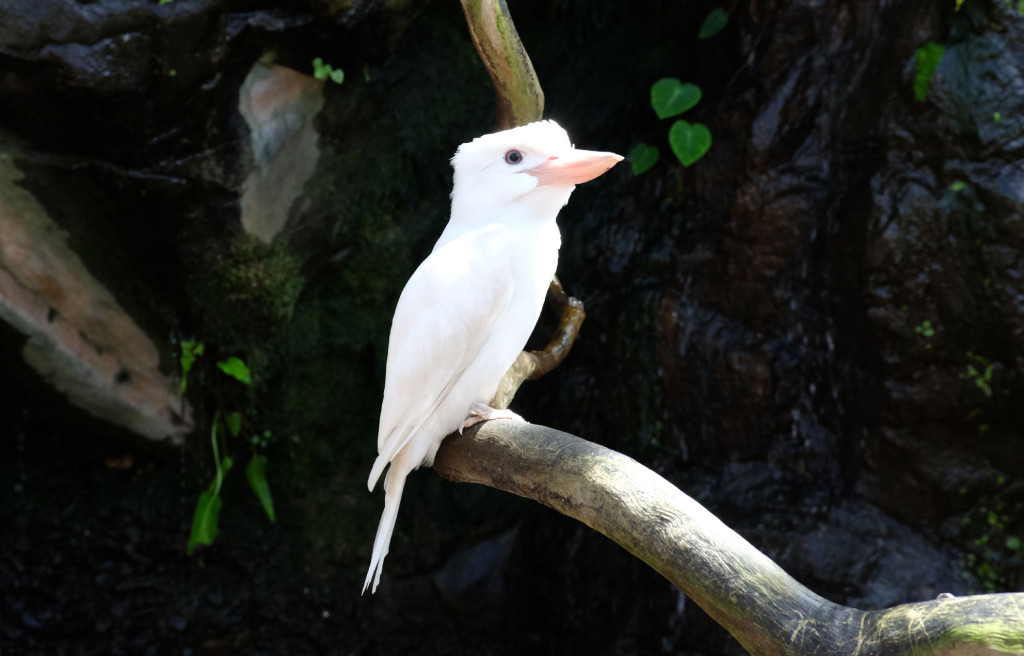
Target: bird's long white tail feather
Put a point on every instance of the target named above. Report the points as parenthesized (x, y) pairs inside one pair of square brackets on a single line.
[(394, 483), (378, 468)]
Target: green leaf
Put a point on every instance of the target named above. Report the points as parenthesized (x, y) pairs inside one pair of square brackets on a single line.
[(927, 59), (322, 71), (670, 97), (714, 23), (234, 423), (190, 350), (204, 521), (958, 185), (689, 142), (643, 157), (1013, 543), (959, 3), (319, 70), (237, 369), (256, 472)]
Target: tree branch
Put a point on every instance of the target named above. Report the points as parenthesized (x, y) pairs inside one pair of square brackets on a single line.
[(763, 607), (520, 100), (572, 316), (519, 96), (531, 365), (768, 611)]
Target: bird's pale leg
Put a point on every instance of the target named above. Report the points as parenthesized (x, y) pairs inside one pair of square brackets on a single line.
[(483, 412)]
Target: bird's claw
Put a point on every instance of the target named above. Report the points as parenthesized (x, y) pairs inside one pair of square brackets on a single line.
[(483, 412)]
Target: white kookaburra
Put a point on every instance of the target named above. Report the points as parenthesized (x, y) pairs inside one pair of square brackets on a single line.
[(467, 311)]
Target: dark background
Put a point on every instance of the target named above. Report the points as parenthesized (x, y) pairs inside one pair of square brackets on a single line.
[(752, 329)]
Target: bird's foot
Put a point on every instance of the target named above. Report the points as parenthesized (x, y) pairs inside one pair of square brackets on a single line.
[(483, 412)]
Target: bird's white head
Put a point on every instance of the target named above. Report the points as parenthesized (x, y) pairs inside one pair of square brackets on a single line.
[(531, 169)]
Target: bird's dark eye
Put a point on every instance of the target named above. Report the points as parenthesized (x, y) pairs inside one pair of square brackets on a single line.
[(513, 157)]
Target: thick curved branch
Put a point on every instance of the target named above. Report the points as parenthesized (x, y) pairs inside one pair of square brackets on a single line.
[(520, 98), (768, 611)]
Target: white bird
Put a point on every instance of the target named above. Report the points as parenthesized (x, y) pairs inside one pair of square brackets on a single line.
[(469, 308)]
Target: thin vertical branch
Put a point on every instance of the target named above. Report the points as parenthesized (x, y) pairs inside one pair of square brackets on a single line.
[(516, 87)]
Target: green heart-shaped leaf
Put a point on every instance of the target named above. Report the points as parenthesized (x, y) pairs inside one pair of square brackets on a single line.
[(670, 97), (713, 24), (689, 142), (643, 157)]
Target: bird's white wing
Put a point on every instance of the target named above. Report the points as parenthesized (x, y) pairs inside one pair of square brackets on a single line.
[(447, 312)]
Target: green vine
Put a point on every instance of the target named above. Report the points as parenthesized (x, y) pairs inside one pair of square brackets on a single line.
[(206, 518)]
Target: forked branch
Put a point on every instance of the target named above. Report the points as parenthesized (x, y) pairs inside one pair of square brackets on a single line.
[(763, 607)]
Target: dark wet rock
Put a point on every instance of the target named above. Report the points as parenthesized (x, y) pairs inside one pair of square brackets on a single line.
[(888, 562), (474, 580), (784, 325)]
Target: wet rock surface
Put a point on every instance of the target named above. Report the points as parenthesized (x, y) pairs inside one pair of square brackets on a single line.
[(816, 331)]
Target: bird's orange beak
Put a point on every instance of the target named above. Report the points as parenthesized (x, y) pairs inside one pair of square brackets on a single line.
[(574, 167)]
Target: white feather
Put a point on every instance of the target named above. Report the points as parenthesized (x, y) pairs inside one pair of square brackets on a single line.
[(469, 308)]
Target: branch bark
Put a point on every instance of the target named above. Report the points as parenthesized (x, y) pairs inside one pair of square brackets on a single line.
[(531, 365), (516, 87), (767, 611)]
